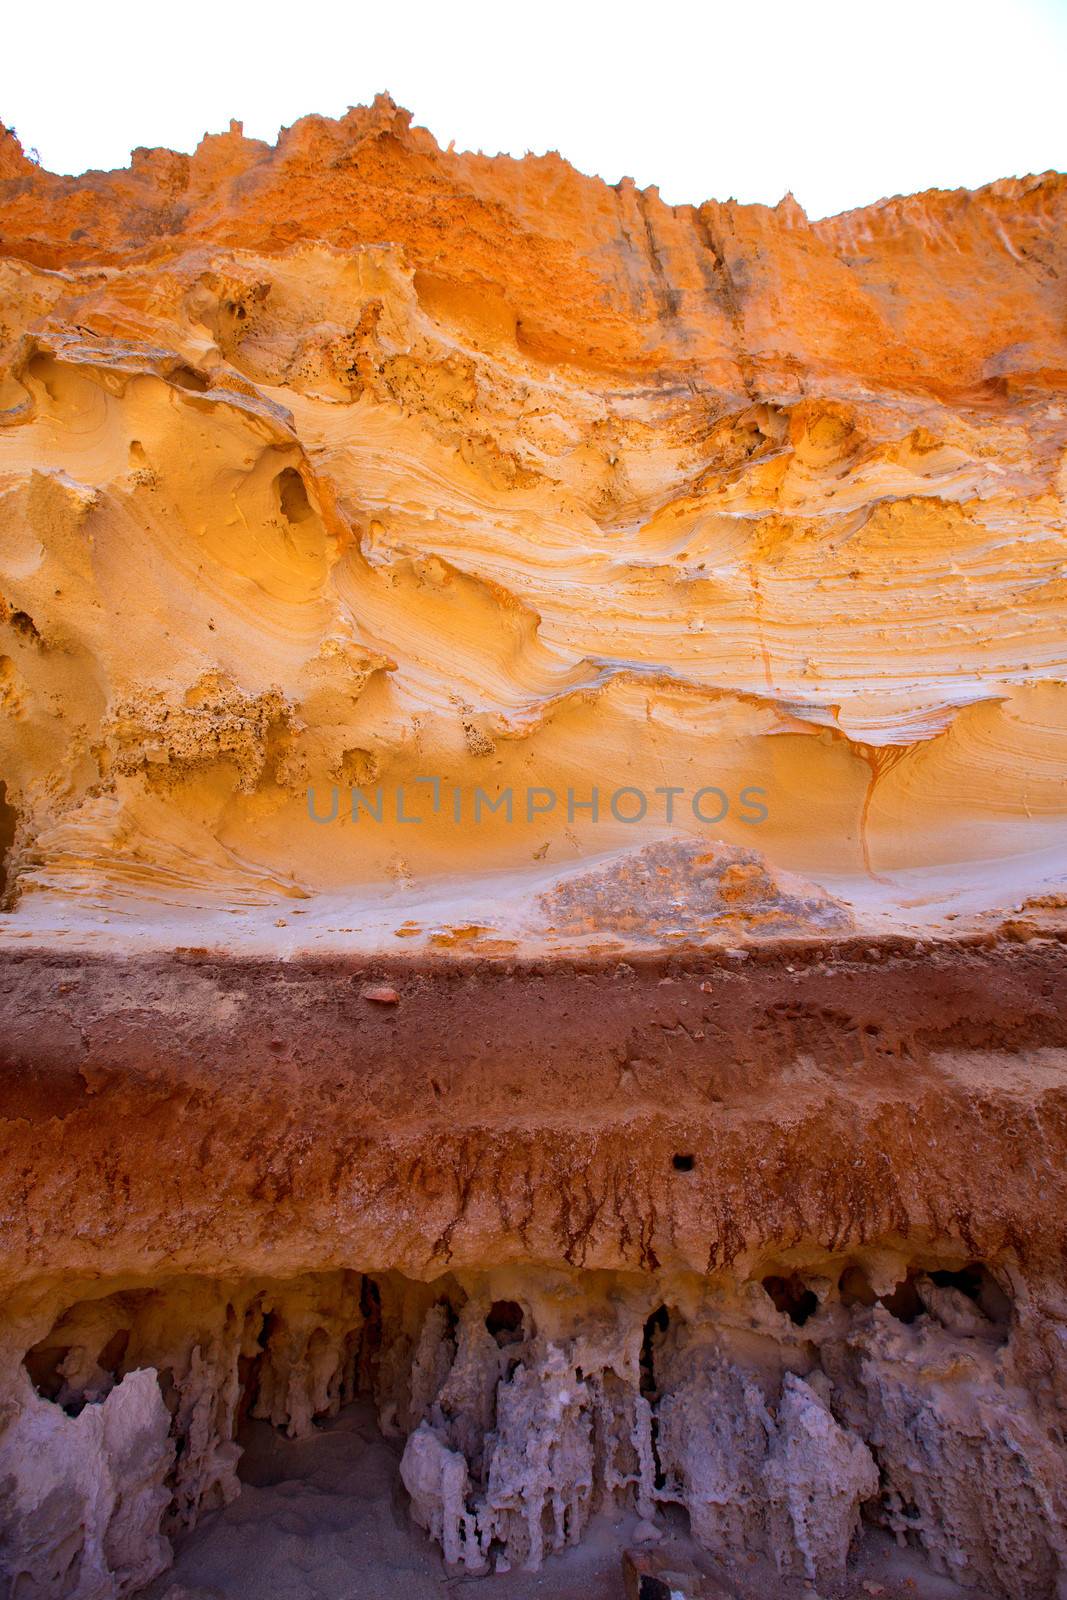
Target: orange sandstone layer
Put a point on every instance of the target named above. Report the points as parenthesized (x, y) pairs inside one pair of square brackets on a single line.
[(533, 783), (348, 462)]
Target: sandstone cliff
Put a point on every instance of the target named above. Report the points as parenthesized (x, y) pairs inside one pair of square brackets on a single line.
[(533, 785)]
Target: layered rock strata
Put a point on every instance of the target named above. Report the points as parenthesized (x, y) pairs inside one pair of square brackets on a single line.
[(778, 1241), (532, 793)]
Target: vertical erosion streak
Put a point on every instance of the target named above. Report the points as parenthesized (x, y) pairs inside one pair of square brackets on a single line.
[(8, 825), (723, 289), (757, 614), (880, 759), (667, 297)]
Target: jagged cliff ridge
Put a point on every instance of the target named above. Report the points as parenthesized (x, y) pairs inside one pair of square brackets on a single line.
[(707, 1155)]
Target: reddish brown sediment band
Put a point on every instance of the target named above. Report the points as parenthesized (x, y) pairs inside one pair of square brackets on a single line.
[(210, 1114)]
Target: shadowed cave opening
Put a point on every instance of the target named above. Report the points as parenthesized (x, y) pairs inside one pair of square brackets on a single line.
[(250, 1367), (47, 1364), (85, 1355), (977, 1283), (791, 1296), (903, 1303), (93, 1345), (293, 496), (653, 1334), (974, 1282), (504, 1320)]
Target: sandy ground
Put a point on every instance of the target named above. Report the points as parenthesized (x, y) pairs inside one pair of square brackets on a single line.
[(325, 1518)]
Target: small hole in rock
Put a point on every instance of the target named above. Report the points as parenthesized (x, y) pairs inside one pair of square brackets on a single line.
[(292, 496), (790, 1296), (25, 626), (189, 378), (904, 1302), (683, 1163), (505, 1322)]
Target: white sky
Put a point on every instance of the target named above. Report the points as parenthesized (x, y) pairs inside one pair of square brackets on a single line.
[(839, 102)]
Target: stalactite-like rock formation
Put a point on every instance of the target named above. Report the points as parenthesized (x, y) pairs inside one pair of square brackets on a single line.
[(523, 1417), (533, 779)]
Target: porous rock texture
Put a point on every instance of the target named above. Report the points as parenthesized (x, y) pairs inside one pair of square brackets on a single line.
[(683, 1123)]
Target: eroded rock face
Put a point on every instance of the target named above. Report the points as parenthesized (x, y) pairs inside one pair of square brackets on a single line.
[(532, 800), (83, 1495), (774, 1428), (531, 486)]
